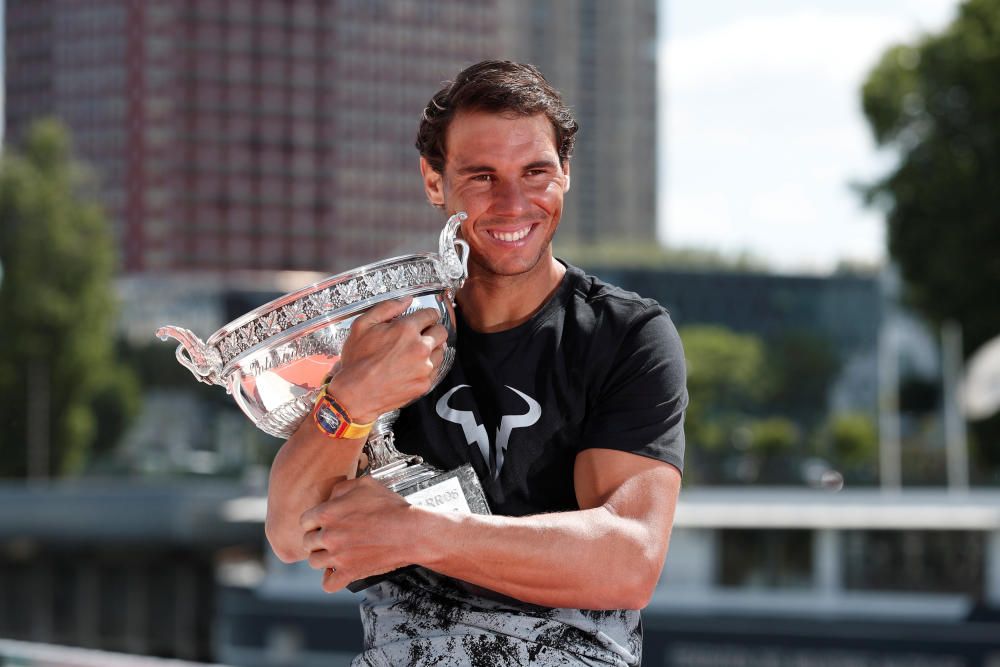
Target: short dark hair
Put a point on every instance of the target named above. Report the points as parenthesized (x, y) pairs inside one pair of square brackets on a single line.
[(499, 86)]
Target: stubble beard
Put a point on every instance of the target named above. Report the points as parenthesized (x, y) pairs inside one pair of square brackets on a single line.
[(488, 267)]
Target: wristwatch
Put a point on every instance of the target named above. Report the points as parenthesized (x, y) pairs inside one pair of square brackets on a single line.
[(333, 420)]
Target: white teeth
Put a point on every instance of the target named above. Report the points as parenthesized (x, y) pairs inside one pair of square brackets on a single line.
[(510, 237)]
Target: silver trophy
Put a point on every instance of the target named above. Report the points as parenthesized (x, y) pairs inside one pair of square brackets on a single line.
[(275, 359)]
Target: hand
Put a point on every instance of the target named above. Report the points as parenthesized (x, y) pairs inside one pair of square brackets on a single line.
[(388, 361), (364, 529)]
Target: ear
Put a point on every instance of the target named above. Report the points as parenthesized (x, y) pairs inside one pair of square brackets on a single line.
[(565, 168), (433, 183)]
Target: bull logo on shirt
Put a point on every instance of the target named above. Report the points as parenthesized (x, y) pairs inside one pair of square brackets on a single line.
[(475, 433)]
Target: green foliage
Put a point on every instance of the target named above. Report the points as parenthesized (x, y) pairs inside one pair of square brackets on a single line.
[(752, 404), (774, 436), (936, 102), (803, 367), (726, 380), (725, 369), (849, 440), (853, 439), (57, 310)]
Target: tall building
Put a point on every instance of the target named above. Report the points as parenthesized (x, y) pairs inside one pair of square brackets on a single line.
[(602, 56), (272, 134)]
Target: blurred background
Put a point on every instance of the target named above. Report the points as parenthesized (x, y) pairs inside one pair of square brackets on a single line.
[(809, 186)]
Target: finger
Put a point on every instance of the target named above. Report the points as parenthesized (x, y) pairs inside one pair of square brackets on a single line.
[(318, 517), (333, 371), (326, 512), (313, 541), (423, 318), (322, 560), (382, 312), (437, 357), (436, 334), (310, 520), (342, 488)]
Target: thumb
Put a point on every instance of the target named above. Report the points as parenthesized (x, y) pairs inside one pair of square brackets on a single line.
[(382, 312), (341, 488)]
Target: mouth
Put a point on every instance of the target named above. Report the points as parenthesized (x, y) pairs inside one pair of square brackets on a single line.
[(510, 236)]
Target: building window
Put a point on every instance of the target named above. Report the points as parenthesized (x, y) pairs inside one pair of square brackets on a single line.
[(765, 558), (927, 561)]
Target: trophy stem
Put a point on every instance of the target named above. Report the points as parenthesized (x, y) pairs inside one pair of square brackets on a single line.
[(381, 445), (387, 464)]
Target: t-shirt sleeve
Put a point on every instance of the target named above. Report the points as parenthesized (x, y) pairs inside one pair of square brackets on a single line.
[(639, 405)]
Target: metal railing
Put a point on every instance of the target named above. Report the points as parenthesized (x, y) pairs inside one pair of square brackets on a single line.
[(26, 654)]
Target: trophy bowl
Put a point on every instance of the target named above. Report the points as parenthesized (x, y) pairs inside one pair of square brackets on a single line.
[(275, 359)]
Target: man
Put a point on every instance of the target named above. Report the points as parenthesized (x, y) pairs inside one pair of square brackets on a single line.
[(583, 482)]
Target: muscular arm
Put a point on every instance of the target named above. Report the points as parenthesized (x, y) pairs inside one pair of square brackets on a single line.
[(303, 473), (607, 555), (399, 355)]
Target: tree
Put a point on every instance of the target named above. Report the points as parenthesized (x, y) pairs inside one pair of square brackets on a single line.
[(61, 390), (774, 436), (849, 440), (803, 366), (726, 381), (936, 102)]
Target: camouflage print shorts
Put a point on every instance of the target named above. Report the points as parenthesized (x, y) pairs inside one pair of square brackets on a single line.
[(419, 619)]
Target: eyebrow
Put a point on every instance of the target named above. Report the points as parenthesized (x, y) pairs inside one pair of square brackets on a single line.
[(474, 169), (486, 169)]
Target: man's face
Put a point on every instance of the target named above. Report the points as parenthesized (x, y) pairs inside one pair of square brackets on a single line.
[(504, 171)]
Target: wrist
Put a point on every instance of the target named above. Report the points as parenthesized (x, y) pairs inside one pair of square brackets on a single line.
[(432, 533), (334, 420), (355, 405)]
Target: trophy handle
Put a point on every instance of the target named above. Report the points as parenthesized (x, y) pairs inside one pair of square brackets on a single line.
[(455, 265), (193, 354)]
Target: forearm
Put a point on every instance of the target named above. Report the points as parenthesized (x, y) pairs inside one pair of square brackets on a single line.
[(305, 469), (590, 559), (607, 555)]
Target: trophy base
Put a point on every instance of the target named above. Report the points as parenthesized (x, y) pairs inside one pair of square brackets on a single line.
[(458, 490)]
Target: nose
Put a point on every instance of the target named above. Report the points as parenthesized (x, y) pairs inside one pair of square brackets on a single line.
[(509, 198)]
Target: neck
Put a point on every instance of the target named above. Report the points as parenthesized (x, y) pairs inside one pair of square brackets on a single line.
[(492, 303)]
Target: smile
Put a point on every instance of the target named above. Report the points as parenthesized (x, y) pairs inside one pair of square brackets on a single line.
[(511, 237)]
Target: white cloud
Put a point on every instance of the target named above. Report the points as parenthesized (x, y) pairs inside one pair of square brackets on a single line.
[(764, 129), (836, 46)]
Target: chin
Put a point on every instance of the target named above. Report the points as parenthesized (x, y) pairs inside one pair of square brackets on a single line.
[(512, 267)]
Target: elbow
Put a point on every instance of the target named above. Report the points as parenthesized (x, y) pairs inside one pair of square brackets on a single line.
[(641, 585), (643, 575), (280, 544)]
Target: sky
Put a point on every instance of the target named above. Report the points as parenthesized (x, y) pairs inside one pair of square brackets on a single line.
[(761, 125)]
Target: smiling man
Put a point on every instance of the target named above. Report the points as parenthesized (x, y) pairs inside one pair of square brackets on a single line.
[(567, 396)]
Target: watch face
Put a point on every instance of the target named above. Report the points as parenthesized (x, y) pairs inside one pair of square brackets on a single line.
[(327, 419)]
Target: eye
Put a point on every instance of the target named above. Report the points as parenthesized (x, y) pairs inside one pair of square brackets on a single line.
[(484, 178)]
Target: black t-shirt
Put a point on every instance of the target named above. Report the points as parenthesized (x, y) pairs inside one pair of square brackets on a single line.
[(595, 367)]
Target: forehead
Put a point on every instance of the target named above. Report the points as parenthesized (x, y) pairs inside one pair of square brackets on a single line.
[(486, 137)]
